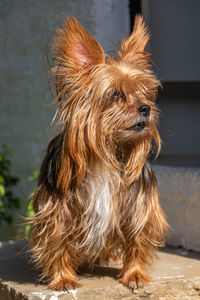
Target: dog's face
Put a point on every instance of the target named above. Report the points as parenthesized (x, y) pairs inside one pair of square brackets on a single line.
[(125, 101), (105, 102)]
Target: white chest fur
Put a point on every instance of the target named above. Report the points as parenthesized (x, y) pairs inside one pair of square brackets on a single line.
[(101, 188)]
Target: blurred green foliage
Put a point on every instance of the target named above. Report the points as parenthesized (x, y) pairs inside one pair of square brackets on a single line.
[(30, 211), (8, 202)]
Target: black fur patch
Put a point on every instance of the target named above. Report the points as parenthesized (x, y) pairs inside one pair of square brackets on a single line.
[(50, 164)]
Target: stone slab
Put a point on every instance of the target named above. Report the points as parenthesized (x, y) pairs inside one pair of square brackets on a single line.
[(175, 275), (179, 190)]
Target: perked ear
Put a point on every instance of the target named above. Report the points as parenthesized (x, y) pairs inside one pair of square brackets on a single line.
[(76, 49), (136, 43)]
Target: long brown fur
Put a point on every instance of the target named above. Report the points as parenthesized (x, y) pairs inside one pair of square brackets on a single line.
[(97, 195)]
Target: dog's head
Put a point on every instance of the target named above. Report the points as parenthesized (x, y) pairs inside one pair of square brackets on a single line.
[(106, 103)]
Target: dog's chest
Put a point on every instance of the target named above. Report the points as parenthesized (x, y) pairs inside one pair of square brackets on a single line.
[(101, 188)]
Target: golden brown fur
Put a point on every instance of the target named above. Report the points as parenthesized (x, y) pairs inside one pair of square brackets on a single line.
[(97, 195)]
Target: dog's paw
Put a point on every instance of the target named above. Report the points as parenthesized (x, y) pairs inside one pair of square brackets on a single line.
[(133, 280), (64, 284)]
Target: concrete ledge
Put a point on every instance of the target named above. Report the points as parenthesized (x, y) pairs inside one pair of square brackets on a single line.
[(175, 275), (179, 190)]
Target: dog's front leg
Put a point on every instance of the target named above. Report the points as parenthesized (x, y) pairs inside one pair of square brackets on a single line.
[(54, 258), (63, 275), (133, 272), (52, 249), (144, 228)]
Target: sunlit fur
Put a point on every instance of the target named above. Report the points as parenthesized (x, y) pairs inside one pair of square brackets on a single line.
[(97, 195)]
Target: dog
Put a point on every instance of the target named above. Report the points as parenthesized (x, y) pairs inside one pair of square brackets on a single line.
[(97, 196)]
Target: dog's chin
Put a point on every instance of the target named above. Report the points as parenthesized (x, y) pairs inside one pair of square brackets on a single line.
[(138, 131), (138, 127)]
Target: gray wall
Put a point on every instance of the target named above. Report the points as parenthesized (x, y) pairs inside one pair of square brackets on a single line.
[(175, 42), (25, 111), (180, 122), (175, 45)]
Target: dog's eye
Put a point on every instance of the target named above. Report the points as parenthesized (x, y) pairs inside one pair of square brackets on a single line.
[(116, 95)]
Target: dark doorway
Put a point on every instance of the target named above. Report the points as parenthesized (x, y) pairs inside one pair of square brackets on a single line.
[(135, 8)]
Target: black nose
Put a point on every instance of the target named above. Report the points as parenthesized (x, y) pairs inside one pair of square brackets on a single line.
[(145, 110)]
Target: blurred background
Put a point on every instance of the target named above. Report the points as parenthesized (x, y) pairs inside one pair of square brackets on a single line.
[(26, 27)]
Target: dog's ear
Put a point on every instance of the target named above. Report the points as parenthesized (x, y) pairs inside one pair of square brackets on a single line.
[(75, 48), (133, 47)]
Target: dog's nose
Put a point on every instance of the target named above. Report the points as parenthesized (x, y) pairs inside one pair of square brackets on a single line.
[(145, 110)]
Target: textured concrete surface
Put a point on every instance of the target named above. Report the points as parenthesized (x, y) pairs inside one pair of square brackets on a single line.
[(179, 190), (175, 275)]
